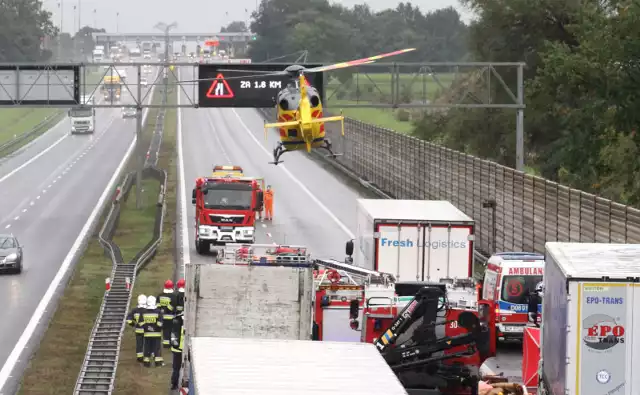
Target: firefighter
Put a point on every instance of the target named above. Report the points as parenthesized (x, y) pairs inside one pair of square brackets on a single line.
[(180, 296), (268, 203), (167, 302), (134, 319), (152, 319), (177, 344)]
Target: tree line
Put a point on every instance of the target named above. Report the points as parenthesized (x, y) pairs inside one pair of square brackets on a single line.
[(582, 76)]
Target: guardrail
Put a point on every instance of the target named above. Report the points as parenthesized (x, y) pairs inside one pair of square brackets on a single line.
[(98, 372), (513, 211), (38, 129)]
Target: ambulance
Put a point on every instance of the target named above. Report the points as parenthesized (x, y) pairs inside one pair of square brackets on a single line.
[(509, 280)]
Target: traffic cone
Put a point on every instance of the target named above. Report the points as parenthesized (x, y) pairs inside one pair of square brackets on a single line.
[(107, 284)]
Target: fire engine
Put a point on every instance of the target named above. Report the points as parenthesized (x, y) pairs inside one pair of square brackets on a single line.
[(226, 204), (432, 335)]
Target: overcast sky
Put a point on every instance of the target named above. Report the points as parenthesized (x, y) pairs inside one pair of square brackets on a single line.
[(192, 16)]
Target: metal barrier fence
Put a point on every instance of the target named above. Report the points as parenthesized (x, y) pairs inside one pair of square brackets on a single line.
[(514, 211)]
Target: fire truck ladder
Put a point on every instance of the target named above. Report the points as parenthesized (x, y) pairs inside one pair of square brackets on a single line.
[(348, 269)]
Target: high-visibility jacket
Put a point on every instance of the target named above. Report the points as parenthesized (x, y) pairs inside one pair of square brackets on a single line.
[(167, 302), (135, 319), (268, 197), (177, 334), (179, 302), (152, 322)]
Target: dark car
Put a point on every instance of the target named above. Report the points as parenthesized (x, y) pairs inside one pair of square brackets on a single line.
[(10, 254)]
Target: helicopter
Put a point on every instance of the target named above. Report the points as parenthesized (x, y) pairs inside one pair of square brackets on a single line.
[(300, 116)]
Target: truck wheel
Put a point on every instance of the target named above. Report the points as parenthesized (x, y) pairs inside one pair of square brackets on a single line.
[(202, 247)]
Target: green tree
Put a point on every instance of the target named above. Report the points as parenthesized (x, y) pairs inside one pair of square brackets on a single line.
[(84, 42), (235, 27), (23, 26)]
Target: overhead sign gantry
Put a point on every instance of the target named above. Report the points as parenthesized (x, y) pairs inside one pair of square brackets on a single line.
[(222, 85), (43, 85)]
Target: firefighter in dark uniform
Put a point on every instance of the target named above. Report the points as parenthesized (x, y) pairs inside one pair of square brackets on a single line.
[(177, 344), (134, 319), (180, 296), (167, 303), (152, 319)]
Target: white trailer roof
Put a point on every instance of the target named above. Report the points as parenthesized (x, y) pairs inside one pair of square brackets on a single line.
[(596, 260), (413, 210), (225, 366)]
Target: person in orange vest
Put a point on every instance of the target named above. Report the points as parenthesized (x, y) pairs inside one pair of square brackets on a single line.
[(268, 203)]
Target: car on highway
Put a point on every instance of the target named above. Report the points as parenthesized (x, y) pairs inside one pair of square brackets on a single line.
[(10, 254), (144, 82), (128, 112)]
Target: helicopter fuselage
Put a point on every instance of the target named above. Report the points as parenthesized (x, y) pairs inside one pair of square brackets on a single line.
[(288, 104)]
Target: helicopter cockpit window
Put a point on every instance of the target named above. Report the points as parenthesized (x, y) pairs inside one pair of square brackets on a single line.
[(284, 104), (314, 100)]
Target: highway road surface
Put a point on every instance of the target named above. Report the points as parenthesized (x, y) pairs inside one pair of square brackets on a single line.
[(313, 205), (49, 190)]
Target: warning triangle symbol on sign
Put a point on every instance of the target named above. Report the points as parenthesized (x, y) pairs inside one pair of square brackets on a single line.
[(220, 89)]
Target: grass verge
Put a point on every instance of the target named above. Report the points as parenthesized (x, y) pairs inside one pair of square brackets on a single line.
[(132, 378), (54, 367)]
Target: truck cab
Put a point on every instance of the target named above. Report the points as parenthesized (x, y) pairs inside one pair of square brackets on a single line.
[(509, 280), (226, 205), (83, 117)]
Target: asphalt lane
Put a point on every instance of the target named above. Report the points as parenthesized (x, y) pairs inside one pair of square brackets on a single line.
[(45, 202), (313, 204)]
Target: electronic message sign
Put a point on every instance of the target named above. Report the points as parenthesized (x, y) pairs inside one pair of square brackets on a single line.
[(222, 85)]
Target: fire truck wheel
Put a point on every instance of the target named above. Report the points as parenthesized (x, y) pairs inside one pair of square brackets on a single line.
[(202, 247)]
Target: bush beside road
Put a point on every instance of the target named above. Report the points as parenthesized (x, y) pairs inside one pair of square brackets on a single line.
[(55, 366)]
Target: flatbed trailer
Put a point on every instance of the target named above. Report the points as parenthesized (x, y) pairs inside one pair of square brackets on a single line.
[(288, 367)]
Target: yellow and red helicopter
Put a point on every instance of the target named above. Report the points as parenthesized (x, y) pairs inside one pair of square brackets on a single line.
[(300, 117)]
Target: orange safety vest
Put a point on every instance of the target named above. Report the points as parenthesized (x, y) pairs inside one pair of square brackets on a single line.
[(268, 197)]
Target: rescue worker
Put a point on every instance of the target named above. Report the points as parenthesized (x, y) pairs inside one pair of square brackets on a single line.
[(268, 203), (180, 296), (177, 344), (167, 302), (134, 319), (152, 319)]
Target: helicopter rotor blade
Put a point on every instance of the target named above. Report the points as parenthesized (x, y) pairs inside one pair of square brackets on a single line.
[(357, 62)]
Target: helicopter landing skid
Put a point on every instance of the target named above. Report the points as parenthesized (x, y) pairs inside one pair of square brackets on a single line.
[(327, 147), (277, 153)]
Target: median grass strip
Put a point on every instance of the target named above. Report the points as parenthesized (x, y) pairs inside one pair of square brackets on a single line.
[(132, 378), (55, 366)]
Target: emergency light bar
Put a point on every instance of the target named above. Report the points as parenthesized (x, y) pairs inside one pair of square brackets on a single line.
[(227, 168)]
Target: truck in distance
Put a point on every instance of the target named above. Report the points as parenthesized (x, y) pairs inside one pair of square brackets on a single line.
[(83, 117), (111, 87), (414, 240), (225, 206)]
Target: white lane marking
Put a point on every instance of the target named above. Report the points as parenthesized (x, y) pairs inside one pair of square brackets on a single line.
[(8, 226), (28, 332), (32, 203), (24, 210), (38, 197), (30, 161), (186, 253), (295, 180), (16, 218), (217, 137)]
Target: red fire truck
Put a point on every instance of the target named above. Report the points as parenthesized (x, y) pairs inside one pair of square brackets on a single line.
[(226, 205)]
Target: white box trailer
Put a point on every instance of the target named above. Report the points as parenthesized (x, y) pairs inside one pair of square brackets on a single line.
[(588, 320), (226, 366), (239, 296), (415, 240)]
